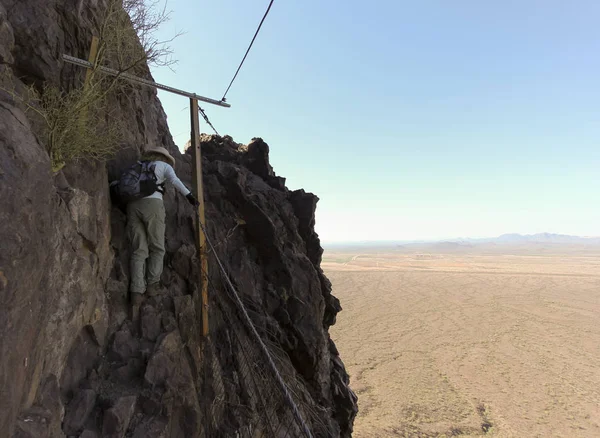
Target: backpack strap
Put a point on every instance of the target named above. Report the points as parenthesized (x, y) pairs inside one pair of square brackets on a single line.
[(160, 187)]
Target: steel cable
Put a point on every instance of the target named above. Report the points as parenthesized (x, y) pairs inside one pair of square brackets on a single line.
[(247, 51), (278, 378)]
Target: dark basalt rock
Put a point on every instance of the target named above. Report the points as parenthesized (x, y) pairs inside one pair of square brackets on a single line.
[(78, 411), (117, 418)]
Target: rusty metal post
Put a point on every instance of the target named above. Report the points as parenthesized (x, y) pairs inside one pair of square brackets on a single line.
[(92, 59), (199, 193)]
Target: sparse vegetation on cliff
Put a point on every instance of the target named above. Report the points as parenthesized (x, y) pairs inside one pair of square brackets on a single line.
[(78, 123)]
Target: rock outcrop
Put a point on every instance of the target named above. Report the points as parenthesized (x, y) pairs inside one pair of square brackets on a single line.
[(72, 363)]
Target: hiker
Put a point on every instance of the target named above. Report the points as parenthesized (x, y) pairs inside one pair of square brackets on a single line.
[(146, 226)]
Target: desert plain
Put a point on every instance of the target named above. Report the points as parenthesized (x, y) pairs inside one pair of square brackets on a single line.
[(501, 343)]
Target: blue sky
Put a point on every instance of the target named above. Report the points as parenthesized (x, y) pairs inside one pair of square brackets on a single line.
[(409, 120)]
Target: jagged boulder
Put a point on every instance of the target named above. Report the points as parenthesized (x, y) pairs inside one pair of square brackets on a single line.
[(79, 409), (117, 418)]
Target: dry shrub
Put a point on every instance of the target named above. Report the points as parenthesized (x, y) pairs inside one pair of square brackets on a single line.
[(80, 124)]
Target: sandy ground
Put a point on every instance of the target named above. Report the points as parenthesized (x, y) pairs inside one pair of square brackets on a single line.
[(456, 345)]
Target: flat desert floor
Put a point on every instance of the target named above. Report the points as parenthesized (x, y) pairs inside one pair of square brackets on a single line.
[(443, 345)]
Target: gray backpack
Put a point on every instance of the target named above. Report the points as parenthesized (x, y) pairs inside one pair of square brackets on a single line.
[(139, 181)]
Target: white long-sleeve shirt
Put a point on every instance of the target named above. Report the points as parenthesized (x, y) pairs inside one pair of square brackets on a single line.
[(165, 172)]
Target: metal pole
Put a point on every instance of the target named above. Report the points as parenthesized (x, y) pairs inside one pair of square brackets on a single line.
[(92, 59), (198, 186)]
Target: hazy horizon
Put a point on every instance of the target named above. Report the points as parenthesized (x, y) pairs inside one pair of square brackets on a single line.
[(446, 239)]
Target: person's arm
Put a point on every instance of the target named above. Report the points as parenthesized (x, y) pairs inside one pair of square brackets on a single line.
[(172, 178)]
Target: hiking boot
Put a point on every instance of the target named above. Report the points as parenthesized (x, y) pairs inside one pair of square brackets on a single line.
[(136, 302), (137, 299), (153, 289)]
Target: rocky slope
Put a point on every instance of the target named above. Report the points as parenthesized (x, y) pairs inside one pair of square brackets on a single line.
[(71, 362)]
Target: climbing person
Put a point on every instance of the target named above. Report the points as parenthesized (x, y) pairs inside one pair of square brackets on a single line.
[(145, 182)]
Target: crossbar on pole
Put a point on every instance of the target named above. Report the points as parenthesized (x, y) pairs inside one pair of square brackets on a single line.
[(132, 78)]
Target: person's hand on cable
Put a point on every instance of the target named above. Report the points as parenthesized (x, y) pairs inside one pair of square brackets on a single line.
[(192, 200)]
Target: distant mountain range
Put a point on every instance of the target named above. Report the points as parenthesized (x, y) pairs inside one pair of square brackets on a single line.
[(511, 239), (514, 238)]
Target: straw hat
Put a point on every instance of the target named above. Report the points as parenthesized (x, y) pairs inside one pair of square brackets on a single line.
[(163, 152)]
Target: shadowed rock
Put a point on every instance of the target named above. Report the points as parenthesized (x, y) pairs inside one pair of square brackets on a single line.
[(116, 419), (78, 411)]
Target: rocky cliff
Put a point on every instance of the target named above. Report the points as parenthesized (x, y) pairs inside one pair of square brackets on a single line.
[(71, 361)]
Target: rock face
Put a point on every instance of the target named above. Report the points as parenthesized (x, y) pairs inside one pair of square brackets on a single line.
[(71, 362)]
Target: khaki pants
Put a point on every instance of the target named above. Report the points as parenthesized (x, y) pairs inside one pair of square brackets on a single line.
[(146, 231)]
